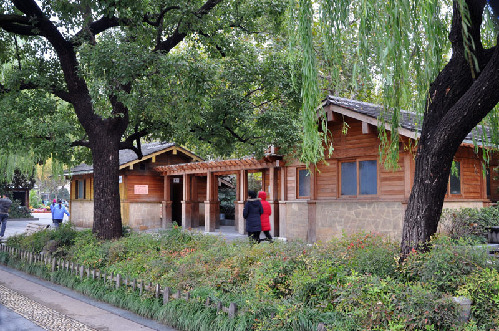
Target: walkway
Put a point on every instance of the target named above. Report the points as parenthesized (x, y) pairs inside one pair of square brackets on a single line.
[(54, 307)]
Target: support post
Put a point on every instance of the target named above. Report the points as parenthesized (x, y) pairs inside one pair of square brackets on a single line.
[(186, 202), (210, 204), (166, 214)]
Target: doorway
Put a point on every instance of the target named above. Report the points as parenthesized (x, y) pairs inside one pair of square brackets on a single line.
[(176, 194)]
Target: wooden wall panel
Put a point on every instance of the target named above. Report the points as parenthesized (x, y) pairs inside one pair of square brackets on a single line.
[(471, 182), (291, 181), (201, 185), (392, 182), (327, 180), (155, 188)]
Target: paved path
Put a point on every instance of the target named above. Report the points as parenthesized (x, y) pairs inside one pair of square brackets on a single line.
[(53, 307), (16, 227)]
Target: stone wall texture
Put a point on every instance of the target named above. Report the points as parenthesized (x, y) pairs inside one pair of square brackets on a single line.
[(82, 213), (145, 215), (337, 218), (141, 216)]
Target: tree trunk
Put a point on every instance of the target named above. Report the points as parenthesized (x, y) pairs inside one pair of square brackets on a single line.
[(107, 216), (457, 103)]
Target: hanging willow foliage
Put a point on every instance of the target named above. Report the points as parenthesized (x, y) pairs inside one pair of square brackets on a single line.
[(388, 51)]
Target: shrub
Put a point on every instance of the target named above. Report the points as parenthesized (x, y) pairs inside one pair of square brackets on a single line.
[(483, 287), (64, 237), (18, 211), (447, 264), (469, 222), (387, 304)]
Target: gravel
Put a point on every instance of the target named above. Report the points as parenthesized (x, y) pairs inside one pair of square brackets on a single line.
[(39, 314)]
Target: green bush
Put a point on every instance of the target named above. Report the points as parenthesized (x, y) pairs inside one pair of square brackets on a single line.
[(18, 211), (469, 222), (483, 287), (447, 264), (63, 237), (386, 304)]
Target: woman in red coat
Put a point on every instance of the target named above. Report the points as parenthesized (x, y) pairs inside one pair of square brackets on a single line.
[(264, 218)]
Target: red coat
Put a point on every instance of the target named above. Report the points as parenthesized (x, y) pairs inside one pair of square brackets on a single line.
[(267, 211)]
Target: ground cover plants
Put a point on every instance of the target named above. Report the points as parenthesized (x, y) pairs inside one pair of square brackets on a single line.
[(352, 283)]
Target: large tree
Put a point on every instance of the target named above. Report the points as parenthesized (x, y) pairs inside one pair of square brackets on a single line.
[(133, 69), (400, 51)]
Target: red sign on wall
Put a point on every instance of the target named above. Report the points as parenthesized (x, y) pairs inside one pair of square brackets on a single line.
[(141, 189)]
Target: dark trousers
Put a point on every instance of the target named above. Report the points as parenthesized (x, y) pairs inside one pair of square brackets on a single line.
[(267, 235), (3, 220), (57, 222), (254, 236)]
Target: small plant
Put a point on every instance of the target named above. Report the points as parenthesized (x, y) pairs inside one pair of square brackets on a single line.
[(446, 266), (483, 287), (469, 223)]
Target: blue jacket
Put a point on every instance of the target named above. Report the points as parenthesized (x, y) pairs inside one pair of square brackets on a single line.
[(58, 213), (252, 211)]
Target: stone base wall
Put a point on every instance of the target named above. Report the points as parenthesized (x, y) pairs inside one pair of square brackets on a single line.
[(143, 216), (140, 216), (295, 217), (334, 219), (82, 213), (463, 204)]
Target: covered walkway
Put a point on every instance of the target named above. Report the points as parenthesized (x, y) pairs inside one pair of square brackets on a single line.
[(198, 206)]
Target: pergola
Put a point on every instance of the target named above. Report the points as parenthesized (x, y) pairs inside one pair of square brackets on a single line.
[(200, 179)]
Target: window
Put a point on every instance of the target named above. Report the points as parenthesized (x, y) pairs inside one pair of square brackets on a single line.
[(455, 179), (367, 178), (303, 183), (80, 189)]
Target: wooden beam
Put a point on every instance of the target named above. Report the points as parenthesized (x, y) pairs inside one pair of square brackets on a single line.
[(154, 159), (366, 128)]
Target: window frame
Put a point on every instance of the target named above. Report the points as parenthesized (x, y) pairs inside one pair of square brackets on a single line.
[(77, 189), (298, 196), (448, 194), (357, 167)]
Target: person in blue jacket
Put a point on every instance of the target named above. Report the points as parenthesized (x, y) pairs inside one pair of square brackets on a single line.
[(58, 213), (52, 207), (251, 213)]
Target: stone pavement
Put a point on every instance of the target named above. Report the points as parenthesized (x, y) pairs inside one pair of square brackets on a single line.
[(53, 307)]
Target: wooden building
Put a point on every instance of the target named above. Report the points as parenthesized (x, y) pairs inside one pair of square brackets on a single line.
[(349, 192), (141, 188)]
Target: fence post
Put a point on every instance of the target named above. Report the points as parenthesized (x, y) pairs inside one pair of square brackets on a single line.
[(166, 295), (88, 272), (82, 272), (188, 296), (141, 287), (54, 264), (157, 291), (208, 302), (219, 305), (118, 281), (232, 310), (134, 284)]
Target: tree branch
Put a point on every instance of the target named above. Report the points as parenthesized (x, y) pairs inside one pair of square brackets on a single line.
[(64, 95), (160, 16), (83, 143), (96, 27), (176, 37), (17, 24)]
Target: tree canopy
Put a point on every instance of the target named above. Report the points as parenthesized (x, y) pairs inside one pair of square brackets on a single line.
[(107, 75)]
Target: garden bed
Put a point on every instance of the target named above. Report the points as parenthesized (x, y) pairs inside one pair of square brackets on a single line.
[(353, 283)]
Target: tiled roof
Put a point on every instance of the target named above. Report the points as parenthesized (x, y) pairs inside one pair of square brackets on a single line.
[(126, 156), (408, 120)]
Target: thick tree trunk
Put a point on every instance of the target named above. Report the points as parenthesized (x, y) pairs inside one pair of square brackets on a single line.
[(457, 104), (107, 216)]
